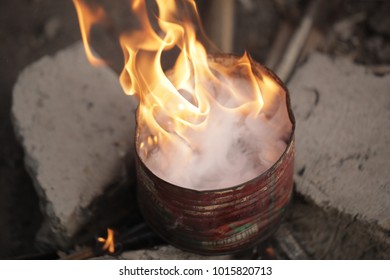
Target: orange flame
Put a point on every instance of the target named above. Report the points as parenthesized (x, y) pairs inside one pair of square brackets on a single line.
[(109, 242), (177, 104), (87, 18)]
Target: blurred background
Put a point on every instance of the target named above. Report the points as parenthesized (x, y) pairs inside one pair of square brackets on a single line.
[(29, 29)]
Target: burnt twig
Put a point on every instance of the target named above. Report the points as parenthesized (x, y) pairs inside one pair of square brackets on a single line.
[(297, 42), (279, 44)]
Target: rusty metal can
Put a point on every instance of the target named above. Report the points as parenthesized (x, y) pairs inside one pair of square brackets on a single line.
[(219, 221)]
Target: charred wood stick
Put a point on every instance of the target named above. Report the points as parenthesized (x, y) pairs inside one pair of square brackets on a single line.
[(147, 240), (137, 229), (279, 44), (297, 42)]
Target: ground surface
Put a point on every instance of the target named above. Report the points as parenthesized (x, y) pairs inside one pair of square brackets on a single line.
[(30, 29)]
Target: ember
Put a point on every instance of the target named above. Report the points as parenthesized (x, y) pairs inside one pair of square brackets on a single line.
[(108, 242)]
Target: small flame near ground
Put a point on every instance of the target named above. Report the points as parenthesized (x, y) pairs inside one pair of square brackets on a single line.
[(108, 242)]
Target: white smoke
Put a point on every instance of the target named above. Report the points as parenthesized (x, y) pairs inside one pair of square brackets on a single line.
[(234, 148)]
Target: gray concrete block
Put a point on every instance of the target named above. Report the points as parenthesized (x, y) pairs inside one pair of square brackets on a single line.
[(77, 127), (343, 138)]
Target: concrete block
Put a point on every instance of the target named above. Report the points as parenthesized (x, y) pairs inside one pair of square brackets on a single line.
[(77, 128), (343, 138)]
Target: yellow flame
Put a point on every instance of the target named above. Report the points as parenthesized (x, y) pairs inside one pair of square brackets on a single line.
[(109, 241), (87, 18), (176, 103)]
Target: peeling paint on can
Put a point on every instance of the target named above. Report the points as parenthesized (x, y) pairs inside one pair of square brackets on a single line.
[(219, 221)]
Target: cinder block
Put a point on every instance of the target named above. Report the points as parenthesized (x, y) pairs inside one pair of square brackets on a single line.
[(343, 138), (77, 128)]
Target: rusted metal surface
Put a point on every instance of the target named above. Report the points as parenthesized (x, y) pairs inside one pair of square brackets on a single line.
[(219, 221)]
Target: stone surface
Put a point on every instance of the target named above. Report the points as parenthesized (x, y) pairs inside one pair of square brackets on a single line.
[(343, 138), (77, 127)]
